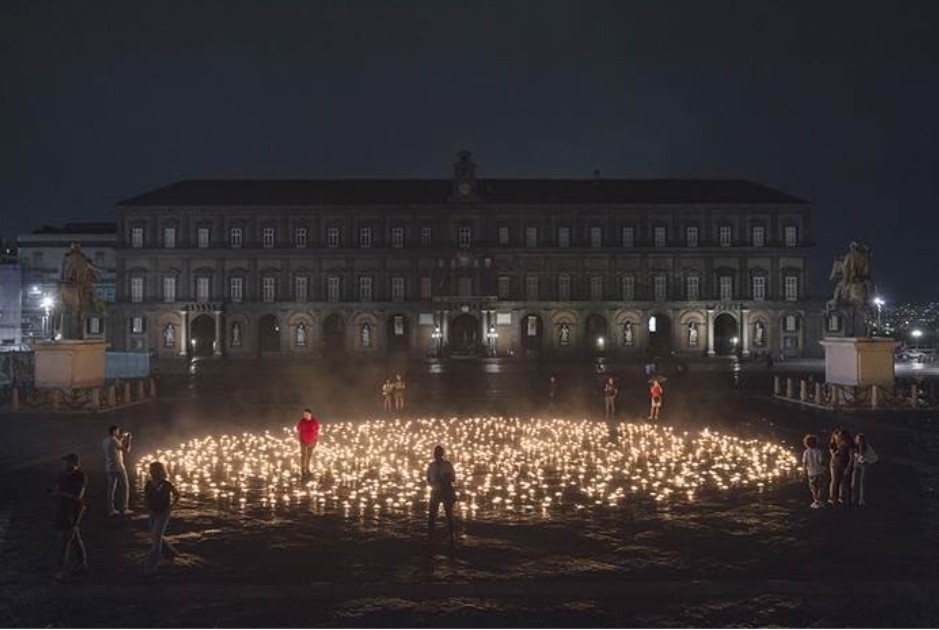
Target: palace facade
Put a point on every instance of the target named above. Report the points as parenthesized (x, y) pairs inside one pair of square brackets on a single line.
[(464, 266)]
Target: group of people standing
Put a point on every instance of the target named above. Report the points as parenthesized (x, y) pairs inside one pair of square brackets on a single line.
[(71, 491), (849, 463), (392, 394), (611, 391)]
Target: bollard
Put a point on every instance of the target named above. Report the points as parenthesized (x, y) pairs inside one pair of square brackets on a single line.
[(126, 392), (803, 390), (914, 396), (95, 398), (835, 396), (112, 396), (875, 396), (141, 391), (15, 399), (818, 393), (777, 385), (55, 399), (789, 387), (153, 390)]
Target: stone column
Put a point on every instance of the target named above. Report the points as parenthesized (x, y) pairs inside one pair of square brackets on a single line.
[(744, 332), (183, 336), (710, 325), (217, 344)]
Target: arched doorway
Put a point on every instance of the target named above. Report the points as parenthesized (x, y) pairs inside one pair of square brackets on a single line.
[(532, 335), (334, 335), (726, 333), (596, 334), (202, 336), (464, 335), (399, 338), (660, 335), (268, 334)]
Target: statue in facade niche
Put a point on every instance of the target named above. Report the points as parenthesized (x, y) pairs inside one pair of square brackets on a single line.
[(853, 288), (77, 292)]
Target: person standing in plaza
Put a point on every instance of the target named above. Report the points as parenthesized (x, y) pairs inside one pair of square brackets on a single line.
[(441, 477), (399, 386), (161, 497), (813, 462), (864, 455), (841, 448), (115, 445), (609, 397), (308, 431), (69, 489), (554, 388), (655, 398), (387, 391)]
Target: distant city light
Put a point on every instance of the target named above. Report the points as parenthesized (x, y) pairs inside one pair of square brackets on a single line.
[(878, 301)]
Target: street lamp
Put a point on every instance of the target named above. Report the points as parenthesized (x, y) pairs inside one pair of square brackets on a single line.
[(437, 336), (492, 335), (916, 334), (879, 303), (47, 303)]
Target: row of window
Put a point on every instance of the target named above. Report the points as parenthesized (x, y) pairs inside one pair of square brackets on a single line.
[(366, 283), (465, 237)]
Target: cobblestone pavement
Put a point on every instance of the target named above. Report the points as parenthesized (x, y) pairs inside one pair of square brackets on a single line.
[(742, 558)]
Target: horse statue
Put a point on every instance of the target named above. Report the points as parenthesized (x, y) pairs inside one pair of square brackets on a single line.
[(77, 292), (853, 288)]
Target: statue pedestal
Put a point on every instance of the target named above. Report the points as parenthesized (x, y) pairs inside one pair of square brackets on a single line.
[(859, 361), (69, 364)]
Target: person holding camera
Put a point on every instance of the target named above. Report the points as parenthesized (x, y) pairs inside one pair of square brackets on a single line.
[(115, 445)]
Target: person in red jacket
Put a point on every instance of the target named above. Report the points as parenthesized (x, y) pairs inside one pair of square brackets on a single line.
[(655, 394), (308, 430)]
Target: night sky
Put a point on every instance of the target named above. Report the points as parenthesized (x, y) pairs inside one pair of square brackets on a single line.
[(835, 102)]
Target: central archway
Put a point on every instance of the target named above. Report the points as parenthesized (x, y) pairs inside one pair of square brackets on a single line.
[(398, 333), (596, 334), (726, 333), (660, 335), (334, 335), (268, 334), (464, 335), (202, 331)]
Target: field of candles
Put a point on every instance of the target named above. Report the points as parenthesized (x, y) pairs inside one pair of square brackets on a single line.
[(503, 465)]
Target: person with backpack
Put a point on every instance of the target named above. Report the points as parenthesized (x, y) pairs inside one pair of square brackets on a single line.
[(160, 496)]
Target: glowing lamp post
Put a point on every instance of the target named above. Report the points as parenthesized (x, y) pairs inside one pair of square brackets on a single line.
[(879, 303), (916, 334), (492, 335), (47, 303), (437, 336)]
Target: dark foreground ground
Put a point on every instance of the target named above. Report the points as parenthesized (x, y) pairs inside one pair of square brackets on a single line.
[(738, 559)]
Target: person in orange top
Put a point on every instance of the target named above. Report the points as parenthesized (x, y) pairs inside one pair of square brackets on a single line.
[(655, 394), (308, 430)]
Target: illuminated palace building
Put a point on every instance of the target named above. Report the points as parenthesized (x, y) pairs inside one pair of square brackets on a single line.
[(463, 266)]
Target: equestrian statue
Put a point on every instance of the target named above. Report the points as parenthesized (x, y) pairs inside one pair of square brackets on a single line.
[(77, 292), (853, 288)]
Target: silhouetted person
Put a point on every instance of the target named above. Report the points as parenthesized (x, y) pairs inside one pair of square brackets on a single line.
[(609, 397), (69, 488), (399, 386), (115, 445), (554, 389), (160, 496), (769, 360), (441, 477), (308, 430), (841, 448)]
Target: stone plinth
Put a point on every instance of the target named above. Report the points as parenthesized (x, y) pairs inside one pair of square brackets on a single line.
[(859, 361), (69, 364)]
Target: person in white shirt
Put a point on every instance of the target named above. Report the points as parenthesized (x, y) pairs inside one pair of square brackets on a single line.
[(114, 446), (441, 477), (813, 462)]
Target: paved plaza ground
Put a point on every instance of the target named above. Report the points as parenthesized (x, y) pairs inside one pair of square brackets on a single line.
[(742, 558)]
